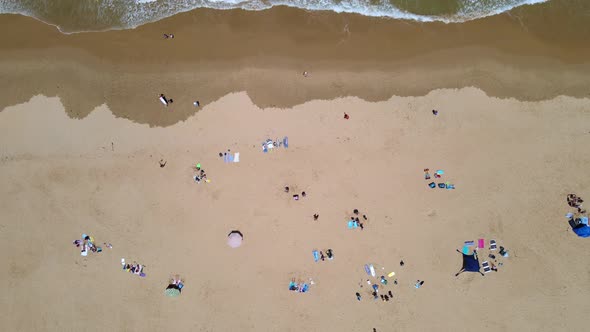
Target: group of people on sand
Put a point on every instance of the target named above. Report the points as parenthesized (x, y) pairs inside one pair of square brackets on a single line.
[(355, 221), (576, 202), (176, 283), (86, 243), (134, 268), (201, 175), (299, 287), (297, 196)]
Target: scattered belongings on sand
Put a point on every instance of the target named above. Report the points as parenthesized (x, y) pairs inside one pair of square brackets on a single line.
[(377, 288), (162, 163), (231, 157), (201, 175), (234, 239), (319, 255), (134, 268), (269, 144), (355, 222), (471, 261), (578, 220), (437, 175), (299, 287), (86, 243), (175, 286)]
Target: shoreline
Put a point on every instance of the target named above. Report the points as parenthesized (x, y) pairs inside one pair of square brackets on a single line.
[(264, 53)]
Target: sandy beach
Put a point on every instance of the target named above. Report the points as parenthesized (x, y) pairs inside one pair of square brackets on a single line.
[(512, 163), (83, 134)]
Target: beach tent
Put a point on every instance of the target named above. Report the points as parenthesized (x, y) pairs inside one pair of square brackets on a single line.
[(470, 264), (234, 239), (582, 230)]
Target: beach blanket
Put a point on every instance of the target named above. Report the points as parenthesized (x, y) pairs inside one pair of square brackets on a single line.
[(237, 157)]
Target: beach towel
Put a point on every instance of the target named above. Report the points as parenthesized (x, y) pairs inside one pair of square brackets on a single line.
[(352, 224), (367, 269), (372, 269), (486, 267), (286, 142), (480, 243), (440, 172), (304, 288), (237, 157), (493, 245), (316, 255), (469, 243)]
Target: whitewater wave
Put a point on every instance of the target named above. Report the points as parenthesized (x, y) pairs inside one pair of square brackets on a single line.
[(125, 14)]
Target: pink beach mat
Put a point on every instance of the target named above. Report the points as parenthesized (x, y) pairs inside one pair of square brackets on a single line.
[(480, 243)]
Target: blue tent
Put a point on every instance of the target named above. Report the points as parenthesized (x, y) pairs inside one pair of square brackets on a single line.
[(582, 230), (470, 263)]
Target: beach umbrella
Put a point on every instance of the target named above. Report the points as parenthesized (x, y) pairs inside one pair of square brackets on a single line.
[(172, 292), (470, 264), (234, 239), (582, 231)]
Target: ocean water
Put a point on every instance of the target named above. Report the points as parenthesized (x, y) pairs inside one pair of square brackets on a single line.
[(96, 15)]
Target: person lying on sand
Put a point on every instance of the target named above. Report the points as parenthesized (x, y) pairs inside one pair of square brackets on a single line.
[(162, 163)]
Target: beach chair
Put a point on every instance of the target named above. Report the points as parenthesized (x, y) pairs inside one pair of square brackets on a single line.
[(486, 267), (493, 245)]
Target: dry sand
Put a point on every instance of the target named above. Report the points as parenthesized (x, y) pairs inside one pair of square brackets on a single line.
[(512, 162)]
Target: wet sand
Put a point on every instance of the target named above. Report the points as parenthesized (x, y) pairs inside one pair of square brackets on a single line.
[(513, 163), (530, 53)]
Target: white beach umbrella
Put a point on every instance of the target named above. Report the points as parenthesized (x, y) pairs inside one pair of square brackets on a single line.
[(234, 239)]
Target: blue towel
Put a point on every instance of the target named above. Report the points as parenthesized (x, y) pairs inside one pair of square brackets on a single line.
[(316, 255), (286, 141)]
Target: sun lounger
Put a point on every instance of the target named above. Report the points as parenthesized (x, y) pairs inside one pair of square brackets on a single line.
[(493, 245), (486, 267)]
